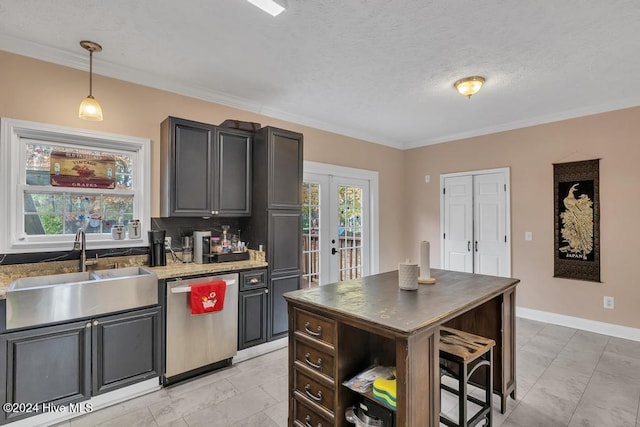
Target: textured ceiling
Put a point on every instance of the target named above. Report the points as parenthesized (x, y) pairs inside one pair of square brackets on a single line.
[(380, 70)]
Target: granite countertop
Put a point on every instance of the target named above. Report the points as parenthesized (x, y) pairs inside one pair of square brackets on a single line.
[(190, 269), (9, 273)]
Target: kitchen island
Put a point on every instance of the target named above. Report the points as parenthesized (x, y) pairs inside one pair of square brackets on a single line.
[(338, 330)]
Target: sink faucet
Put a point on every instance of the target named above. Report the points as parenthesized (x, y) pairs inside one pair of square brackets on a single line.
[(80, 244)]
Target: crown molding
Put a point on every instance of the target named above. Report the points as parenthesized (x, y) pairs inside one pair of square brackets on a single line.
[(79, 61), (534, 121)]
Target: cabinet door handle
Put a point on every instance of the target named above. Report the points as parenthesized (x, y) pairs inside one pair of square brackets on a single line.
[(310, 332), (95, 323), (317, 398), (468, 245), (317, 365), (253, 280), (88, 325), (476, 246), (307, 421)]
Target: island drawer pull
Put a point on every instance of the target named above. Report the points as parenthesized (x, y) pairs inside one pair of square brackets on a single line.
[(317, 397), (310, 332), (317, 365), (307, 421)]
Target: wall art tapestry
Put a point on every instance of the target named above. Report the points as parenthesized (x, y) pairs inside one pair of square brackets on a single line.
[(576, 188)]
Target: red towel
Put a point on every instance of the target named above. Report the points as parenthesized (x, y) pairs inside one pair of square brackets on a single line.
[(208, 297)]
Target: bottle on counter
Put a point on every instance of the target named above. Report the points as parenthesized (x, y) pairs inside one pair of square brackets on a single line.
[(216, 247)]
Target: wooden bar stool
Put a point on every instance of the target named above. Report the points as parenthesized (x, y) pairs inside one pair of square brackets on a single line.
[(461, 354)]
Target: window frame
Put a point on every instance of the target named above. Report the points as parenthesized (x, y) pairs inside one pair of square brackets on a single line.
[(13, 185)]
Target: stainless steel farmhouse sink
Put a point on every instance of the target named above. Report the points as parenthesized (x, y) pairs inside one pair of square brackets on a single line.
[(40, 300)]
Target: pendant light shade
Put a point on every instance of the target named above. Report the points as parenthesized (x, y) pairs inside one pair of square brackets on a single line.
[(89, 107), (469, 85)]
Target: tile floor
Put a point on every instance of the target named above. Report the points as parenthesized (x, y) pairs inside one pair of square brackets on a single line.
[(566, 377)]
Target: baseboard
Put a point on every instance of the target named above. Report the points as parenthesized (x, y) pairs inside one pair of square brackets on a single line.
[(579, 323), (259, 350), (59, 413)]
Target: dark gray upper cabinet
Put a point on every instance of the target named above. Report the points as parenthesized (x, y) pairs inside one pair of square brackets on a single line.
[(233, 179), (283, 152), (205, 170)]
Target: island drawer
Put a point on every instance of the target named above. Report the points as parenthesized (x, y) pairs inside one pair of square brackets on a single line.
[(314, 389), (314, 359), (305, 415), (315, 326)]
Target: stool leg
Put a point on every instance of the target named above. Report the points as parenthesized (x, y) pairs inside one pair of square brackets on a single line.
[(489, 391), (462, 396)]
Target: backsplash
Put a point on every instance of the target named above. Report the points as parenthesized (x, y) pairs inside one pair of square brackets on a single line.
[(36, 257), (176, 228)]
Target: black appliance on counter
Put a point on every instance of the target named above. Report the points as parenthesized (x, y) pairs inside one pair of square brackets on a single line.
[(157, 252)]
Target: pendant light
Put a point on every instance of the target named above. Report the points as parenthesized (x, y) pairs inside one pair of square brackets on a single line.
[(469, 85), (90, 108)]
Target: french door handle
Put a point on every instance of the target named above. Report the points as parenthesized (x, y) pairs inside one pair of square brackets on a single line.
[(476, 246), (333, 251), (468, 245)]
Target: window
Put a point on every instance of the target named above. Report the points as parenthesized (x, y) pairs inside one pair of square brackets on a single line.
[(59, 180)]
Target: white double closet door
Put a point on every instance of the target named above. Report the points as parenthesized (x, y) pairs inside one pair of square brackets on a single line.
[(475, 222)]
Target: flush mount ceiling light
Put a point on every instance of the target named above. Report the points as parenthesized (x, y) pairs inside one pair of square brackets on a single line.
[(90, 108), (469, 85), (272, 7)]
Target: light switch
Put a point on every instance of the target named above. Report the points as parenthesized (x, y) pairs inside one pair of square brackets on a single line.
[(427, 178), (528, 235)]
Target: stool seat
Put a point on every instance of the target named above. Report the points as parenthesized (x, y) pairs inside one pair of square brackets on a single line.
[(468, 352), (463, 346)]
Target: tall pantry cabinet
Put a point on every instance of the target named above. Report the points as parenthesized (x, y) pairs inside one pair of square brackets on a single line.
[(276, 221)]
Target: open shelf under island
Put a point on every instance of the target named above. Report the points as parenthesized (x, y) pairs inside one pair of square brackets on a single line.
[(337, 330)]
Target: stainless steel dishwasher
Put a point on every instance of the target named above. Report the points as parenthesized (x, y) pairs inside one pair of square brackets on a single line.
[(199, 343)]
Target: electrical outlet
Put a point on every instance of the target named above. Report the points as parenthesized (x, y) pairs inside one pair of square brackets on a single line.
[(528, 235), (608, 302), (167, 242)]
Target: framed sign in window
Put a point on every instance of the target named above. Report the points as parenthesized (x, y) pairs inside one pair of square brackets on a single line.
[(577, 220)]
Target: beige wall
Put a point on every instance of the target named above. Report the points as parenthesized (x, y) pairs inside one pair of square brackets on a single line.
[(530, 153), (47, 93), (409, 208)]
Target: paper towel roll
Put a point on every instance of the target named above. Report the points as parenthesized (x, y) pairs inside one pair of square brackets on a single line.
[(408, 276), (425, 270)]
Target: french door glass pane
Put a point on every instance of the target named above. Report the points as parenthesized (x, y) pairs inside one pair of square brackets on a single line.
[(350, 231), (311, 235)]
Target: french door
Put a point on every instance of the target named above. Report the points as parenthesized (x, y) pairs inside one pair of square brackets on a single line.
[(336, 228), (475, 223)]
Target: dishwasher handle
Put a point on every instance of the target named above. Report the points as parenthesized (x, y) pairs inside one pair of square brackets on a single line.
[(187, 288)]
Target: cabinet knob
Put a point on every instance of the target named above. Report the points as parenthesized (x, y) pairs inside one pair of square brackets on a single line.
[(95, 323), (88, 325), (266, 291)]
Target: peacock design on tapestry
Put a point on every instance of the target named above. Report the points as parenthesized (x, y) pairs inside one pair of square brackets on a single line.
[(577, 224)]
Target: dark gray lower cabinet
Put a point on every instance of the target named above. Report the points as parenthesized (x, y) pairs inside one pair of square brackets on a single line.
[(69, 363), (51, 364), (125, 349), (278, 323), (252, 314)]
